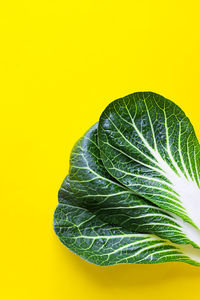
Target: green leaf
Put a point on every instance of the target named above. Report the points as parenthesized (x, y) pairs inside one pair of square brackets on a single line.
[(114, 203), (104, 244), (133, 193), (149, 145)]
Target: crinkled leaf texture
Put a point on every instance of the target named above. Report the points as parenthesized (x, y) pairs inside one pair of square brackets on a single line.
[(132, 194)]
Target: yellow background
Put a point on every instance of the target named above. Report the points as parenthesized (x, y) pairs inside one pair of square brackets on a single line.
[(61, 63)]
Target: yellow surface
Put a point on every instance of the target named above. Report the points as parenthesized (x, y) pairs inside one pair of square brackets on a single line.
[(61, 63)]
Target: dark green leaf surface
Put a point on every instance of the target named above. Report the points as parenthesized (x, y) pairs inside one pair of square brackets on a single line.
[(149, 145), (104, 244)]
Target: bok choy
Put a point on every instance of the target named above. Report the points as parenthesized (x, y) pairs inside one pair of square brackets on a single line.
[(133, 190)]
